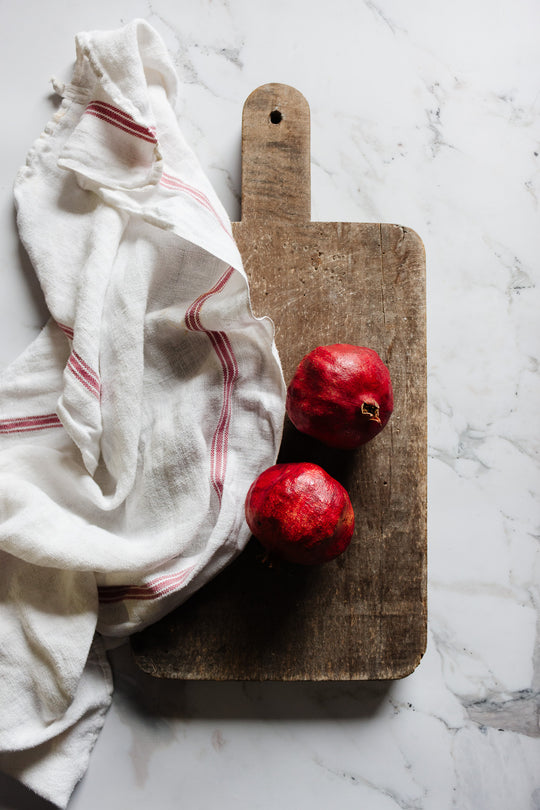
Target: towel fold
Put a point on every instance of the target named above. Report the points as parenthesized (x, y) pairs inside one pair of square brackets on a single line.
[(133, 426)]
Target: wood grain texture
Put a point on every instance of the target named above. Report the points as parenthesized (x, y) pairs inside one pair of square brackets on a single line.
[(362, 616)]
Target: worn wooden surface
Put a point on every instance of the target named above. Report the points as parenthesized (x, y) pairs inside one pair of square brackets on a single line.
[(362, 616)]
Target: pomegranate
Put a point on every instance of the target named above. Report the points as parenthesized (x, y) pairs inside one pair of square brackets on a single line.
[(340, 394), (300, 513)]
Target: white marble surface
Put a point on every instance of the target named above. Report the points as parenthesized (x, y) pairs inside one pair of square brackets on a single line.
[(425, 114)]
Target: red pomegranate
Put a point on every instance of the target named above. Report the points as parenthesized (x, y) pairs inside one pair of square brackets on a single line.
[(300, 513), (340, 394)]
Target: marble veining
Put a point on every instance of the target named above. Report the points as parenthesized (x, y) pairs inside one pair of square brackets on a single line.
[(428, 116)]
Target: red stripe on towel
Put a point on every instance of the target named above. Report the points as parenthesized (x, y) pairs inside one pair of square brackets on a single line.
[(223, 349), (154, 589), (120, 119), (24, 424), (84, 373), (67, 330), (171, 182)]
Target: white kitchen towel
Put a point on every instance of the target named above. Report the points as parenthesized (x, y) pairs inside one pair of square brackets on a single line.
[(133, 426)]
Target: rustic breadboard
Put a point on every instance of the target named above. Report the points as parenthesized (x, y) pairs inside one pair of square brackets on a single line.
[(362, 616)]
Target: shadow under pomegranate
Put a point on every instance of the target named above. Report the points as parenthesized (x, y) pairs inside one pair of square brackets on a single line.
[(297, 447), (278, 590)]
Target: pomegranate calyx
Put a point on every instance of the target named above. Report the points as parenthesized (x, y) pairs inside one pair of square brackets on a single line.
[(371, 410)]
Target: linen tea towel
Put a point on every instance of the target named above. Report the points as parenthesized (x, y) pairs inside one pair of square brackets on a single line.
[(133, 426)]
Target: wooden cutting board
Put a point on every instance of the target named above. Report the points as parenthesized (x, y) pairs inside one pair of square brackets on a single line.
[(363, 615)]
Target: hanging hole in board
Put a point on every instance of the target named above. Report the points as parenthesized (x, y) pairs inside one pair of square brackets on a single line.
[(275, 117)]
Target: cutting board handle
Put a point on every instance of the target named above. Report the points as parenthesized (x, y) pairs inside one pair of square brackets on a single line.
[(276, 180)]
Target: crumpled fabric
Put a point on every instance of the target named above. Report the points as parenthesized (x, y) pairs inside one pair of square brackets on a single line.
[(133, 426)]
